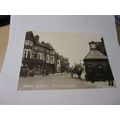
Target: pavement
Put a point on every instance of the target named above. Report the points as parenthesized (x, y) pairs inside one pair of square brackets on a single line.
[(58, 81)]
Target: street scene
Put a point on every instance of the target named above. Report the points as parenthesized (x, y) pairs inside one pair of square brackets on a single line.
[(58, 81), (64, 61)]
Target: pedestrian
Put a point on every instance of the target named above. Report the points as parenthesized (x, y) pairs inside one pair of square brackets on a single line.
[(111, 83), (110, 77)]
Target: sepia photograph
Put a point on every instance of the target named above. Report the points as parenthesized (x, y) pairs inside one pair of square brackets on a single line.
[(64, 60)]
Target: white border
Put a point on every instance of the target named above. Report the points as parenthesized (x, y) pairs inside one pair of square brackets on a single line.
[(10, 72), (59, 112), (45, 7)]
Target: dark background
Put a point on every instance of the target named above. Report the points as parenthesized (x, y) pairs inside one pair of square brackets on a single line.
[(4, 20)]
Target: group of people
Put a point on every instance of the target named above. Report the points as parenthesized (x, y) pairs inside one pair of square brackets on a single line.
[(77, 69), (94, 75)]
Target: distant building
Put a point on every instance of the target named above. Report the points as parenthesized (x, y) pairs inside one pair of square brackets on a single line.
[(58, 63), (65, 64), (96, 62), (40, 56)]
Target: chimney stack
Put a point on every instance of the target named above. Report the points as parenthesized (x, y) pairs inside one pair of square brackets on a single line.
[(37, 38)]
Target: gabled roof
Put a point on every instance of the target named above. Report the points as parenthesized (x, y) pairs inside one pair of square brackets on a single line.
[(95, 54), (47, 45)]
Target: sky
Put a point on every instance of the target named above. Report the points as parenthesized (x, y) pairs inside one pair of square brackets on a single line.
[(74, 46)]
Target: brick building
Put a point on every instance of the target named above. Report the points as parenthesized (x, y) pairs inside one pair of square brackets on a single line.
[(41, 57), (96, 63)]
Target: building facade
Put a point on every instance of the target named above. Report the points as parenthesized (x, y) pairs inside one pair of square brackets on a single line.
[(96, 63), (41, 57)]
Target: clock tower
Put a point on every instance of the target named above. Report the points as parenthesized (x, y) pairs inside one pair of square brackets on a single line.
[(93, 45)]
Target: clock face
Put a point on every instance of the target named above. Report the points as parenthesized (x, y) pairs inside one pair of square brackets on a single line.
[(93, 46)]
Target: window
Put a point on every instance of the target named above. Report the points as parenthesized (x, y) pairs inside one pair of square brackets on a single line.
[(35, 55), (31, 43), (29, 54), (38, 57), (58, 62), (28, 42), (25, 53), (52, 59), (47, 58), (43, 57)]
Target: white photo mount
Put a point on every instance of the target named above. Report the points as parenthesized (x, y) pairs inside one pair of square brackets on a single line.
[(86, 24)]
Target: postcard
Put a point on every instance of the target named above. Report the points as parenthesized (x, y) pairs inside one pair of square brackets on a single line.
[(61, 60), (64, 60)]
